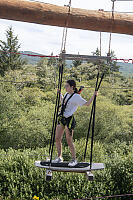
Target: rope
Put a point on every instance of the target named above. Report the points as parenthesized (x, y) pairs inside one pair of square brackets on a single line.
[(56, 113), (100, 43), (100, 39), (112, 20), (65, 30), (88, 134), (93, 123), (92, 116), (63, 49)]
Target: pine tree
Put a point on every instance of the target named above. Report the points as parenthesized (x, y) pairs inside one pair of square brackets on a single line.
[(52, 60), (76, 63), (9, 59), (113, 66), (45, 74), (96, 53)]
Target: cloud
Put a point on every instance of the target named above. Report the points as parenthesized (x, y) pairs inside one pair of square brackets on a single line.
[(47, 39)]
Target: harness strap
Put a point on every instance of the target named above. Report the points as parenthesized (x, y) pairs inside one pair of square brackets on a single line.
[(64, 98), (63, 107)]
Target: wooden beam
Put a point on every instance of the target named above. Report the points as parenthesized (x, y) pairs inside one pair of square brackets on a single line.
[(48, 14)]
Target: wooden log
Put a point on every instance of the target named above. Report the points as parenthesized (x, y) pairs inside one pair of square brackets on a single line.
[(48, 14)]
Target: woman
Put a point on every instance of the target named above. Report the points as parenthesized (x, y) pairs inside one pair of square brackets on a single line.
[(66, 120)]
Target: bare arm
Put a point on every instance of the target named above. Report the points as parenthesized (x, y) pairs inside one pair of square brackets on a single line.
[(61, 98), (91, 99)]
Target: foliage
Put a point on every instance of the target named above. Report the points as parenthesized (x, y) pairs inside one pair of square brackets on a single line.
[(20, 178), (97, 52), (27, 97), (46, 74), (9, 59), (26, 118), (76, 63), (110, 67), (26, 110), (52, 61)]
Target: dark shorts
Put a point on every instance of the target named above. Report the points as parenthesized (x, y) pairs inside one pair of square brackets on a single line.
[(69, 122)]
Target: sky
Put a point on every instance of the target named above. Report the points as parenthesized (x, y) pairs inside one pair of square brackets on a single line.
[(46, 39)]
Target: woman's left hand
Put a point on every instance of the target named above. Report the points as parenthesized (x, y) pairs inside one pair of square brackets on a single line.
[(96, 93), (58, 91)]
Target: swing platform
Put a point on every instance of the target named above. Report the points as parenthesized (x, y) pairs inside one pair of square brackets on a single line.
[(80, 167)]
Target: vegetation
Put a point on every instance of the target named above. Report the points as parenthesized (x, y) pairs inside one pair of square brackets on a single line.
[(9, 59), (27, 96)]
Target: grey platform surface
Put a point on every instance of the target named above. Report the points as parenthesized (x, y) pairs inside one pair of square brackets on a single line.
[(63, 167)]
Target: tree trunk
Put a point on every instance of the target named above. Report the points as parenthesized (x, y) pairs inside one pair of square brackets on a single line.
[(48, 14)]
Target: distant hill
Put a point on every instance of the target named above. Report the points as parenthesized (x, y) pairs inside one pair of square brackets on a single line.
[(126, 68), (33, 60), (30, 59)]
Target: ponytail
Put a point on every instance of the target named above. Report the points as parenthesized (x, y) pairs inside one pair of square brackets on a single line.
[(76, 90), (80, 89)]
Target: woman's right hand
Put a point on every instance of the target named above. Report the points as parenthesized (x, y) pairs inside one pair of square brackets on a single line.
[(96, 93), (58, 91)]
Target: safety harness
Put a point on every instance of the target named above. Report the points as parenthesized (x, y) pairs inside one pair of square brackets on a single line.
[(63, 107)]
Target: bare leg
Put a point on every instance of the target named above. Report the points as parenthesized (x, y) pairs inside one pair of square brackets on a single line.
[(70, 143), (59, 135)]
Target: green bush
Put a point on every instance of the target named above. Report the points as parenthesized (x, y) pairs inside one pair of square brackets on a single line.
[(112, 122), (19, 178), (26, 118)]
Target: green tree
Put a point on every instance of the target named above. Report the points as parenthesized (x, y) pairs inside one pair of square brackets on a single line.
[(42, 68), (96, 53), (110, 67), (113, 65), (52, 60), (9, 59), (45, 74), (76, 63)]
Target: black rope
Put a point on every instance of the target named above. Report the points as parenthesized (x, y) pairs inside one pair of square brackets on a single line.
[(93, 122), (88, 134), (56, 113), (92, 116)]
